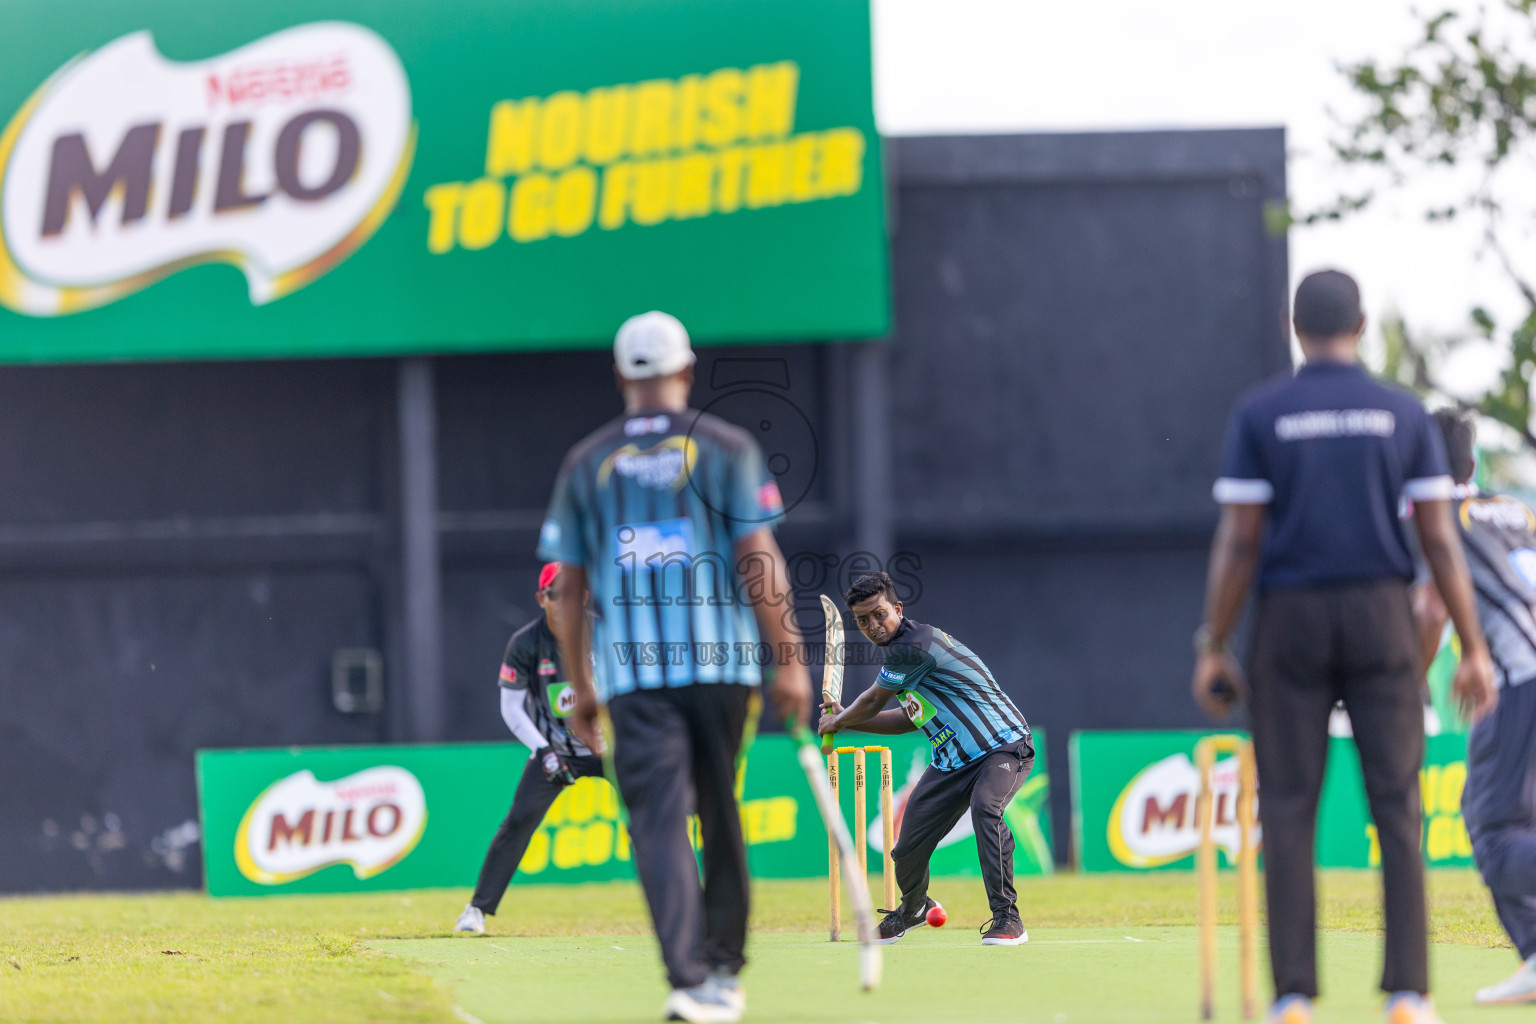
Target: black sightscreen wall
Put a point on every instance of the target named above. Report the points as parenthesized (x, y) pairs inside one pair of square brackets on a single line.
[(183, 547)]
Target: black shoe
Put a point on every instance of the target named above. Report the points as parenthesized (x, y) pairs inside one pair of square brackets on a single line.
[(1004, 929), (895, 924)]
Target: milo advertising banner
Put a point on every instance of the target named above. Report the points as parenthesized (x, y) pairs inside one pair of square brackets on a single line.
[(327, 177), (1133, 803), (349, 819)]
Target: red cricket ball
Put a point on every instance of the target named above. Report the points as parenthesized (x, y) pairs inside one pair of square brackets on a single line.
[(936, 916)]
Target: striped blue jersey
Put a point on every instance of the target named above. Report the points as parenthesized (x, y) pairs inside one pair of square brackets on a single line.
[(1498, 533), (653, 505), (949, 694)]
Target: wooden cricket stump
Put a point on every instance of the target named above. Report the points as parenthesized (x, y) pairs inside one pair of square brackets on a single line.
[(861, 828), (834, 869), (1247, 873), (888, 822)]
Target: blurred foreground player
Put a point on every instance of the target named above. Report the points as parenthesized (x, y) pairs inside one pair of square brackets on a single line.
[(1499, 799), (982, 753), (536, 700), (667, 513), (1323, 457)]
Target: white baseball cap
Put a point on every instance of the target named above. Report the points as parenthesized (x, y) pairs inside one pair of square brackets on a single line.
[(651, 344)]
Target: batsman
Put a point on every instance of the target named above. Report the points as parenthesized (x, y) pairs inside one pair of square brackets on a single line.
[(982, 753)]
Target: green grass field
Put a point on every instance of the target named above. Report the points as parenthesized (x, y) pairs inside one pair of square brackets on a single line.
[(1102, 948)]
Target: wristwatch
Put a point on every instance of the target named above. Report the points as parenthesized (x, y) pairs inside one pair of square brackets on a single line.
[(1205, 643)]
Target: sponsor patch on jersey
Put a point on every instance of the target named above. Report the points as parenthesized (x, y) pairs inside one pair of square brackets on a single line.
[(562, 699), (641, 425), (638, 546), (942, 737), (1523, 562), (892, 678), (1500, 512), (546, 667), (768, 497), (668, 464), (918, 710), (508, 674)]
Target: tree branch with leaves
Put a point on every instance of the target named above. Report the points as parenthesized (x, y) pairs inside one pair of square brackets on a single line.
[(1462, 97)]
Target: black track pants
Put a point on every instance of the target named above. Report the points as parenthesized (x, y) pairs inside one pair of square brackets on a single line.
[(1311, 647), (1499, 806), (535, 794), (984, 787), (674, 754)]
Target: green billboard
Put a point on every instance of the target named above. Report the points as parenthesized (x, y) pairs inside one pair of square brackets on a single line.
[(349, 819), (343, 177), (1133, 803)]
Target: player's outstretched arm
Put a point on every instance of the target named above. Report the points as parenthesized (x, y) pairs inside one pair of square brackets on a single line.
[(1430, 616), (861, 714), (1218, 681), (886, 723), (767, 586), (571, 631), (889, 723), (1473, 684)]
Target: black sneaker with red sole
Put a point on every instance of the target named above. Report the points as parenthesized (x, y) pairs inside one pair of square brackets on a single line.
[(895, 924), (1004, 930)]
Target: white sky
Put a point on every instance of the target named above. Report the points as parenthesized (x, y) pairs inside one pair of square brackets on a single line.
[(960, 66)]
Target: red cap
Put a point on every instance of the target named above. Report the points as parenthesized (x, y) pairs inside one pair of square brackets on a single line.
[(547, 574)]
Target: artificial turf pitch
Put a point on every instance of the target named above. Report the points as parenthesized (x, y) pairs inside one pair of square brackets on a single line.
[(1102, 948)]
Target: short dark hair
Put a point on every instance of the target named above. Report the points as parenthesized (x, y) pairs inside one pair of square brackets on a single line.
[(871, 585), (1459, 433), (1327, 305)]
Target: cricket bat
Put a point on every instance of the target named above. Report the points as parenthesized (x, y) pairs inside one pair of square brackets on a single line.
[(854, 880), (832, 667)]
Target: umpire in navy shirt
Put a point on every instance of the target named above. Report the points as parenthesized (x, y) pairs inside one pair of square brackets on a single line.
[(1314, 470)]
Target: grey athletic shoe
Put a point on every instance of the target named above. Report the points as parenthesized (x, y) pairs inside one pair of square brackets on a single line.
[(471, 921), (1519, 987), (701, 1004), (729, 985)]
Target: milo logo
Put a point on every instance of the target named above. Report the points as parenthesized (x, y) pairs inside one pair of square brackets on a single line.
[(562, 699), (1153, 821), (918, 710), (281, 157), (298, 825)]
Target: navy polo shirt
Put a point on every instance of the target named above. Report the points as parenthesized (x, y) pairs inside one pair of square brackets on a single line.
[(1332, 452)]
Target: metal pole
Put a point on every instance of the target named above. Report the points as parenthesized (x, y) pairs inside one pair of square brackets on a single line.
[(421, 570), (874, 525)]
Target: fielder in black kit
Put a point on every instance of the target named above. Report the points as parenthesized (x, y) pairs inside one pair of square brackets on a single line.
[(536, 698)]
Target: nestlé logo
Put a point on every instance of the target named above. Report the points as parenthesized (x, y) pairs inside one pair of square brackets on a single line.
[(281, 157)]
